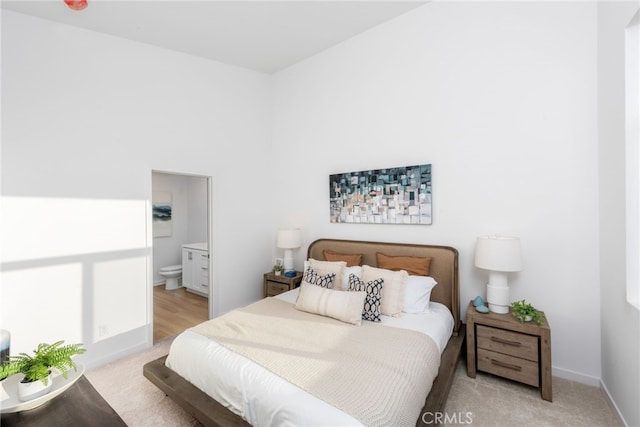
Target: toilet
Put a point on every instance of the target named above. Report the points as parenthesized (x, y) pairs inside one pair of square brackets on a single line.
[(172, 275)]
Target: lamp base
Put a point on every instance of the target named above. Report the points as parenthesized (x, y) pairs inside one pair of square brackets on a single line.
[(499, 309), (288, 261), (498, 298)]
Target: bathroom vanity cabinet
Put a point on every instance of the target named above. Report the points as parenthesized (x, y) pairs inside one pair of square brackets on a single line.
[(195, 268)]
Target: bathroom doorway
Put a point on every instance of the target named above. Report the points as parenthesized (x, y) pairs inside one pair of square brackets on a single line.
[(181, 261)]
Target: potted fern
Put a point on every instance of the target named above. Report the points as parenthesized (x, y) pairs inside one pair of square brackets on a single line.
[(525, 312), (278, 269), (37, 368)]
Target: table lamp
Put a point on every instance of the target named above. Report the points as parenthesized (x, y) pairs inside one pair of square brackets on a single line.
[(289, 239), (500, 255)]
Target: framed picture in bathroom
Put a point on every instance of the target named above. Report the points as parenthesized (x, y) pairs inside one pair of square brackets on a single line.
[(162, 221)]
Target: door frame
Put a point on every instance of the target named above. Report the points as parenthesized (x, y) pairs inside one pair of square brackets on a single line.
[(212, 297)]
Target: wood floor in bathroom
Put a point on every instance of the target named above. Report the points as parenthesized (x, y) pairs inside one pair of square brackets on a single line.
[(174, 311)]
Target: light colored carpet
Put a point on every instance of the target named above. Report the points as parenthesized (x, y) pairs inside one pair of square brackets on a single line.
[(484, 401), (493, 401), (133, 397)]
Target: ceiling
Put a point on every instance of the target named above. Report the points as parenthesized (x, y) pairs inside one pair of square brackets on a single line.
[(265, 36)]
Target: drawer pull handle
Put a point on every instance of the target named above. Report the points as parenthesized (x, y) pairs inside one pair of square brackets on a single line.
[(506, 365), (507, 342)]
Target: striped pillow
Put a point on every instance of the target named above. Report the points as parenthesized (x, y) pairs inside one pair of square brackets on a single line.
[(343, 306)]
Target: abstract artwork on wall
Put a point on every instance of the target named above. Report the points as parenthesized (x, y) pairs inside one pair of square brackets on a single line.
[(162, 222), (400, 195)]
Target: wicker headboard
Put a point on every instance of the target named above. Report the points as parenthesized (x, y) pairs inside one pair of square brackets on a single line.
[(443, 268)]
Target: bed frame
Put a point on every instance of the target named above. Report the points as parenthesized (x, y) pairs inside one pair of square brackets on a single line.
[(444, 269)]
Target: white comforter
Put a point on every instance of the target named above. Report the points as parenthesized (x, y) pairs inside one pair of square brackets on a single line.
[(265, 399)]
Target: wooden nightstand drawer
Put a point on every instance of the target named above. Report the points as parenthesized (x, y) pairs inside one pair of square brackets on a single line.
[(277, 284), (507, 366), (508, 342), (275, 288)]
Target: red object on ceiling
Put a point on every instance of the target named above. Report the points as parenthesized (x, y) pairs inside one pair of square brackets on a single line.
[(77, 4)]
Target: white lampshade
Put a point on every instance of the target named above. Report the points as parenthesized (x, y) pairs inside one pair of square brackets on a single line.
[(499, 255), (288, 239)]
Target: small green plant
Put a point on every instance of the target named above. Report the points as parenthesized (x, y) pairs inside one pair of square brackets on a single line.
[(46, 357), (522, 310), (278, 268)]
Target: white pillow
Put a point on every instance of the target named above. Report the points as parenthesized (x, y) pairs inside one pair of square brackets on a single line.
[(327, 267), (417, 294), (343, 306), (394, 287)]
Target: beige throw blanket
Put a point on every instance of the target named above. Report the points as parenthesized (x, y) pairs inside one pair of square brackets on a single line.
[(379, 375)]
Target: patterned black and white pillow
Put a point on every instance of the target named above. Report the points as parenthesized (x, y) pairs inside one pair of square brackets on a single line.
[(312, 277), (371, 309)]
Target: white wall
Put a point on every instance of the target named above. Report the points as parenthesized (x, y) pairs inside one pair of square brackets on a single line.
[(502, 99), (189, 218), (620, 320), (197, 209), (85, 119), (167, 250)]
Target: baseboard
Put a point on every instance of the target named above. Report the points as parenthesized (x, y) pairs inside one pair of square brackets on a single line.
[(114, 348), (575, 376), (612, 404), (591, 381)]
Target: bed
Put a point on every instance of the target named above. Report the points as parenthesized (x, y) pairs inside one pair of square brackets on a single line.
[(264, 395)]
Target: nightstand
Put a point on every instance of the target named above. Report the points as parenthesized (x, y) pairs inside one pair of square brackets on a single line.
[(274, 285), (499, 344)]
